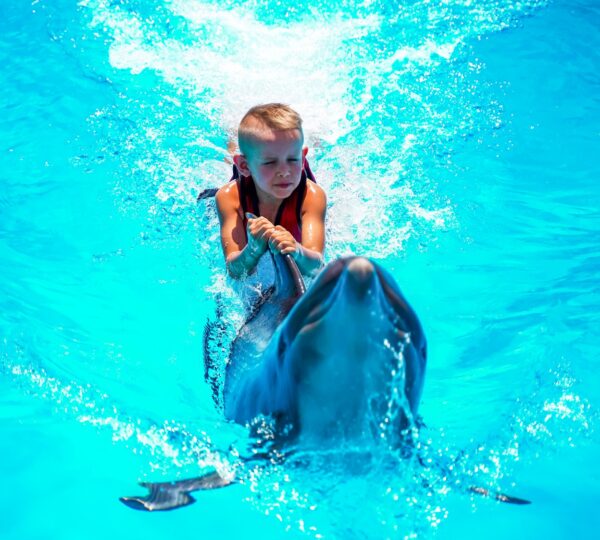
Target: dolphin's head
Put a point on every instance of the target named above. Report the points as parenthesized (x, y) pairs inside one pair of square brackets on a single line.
[(353, 287), (342, 342)]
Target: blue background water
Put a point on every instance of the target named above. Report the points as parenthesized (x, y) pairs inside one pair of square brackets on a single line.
[(457, 142)]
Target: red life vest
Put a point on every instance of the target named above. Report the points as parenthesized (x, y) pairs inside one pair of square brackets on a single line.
[(289, 214)]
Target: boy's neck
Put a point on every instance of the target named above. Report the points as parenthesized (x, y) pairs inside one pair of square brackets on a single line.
[(267, 204)]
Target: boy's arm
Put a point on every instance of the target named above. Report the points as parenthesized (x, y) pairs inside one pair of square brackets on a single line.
[(241, 256), (308, 255)]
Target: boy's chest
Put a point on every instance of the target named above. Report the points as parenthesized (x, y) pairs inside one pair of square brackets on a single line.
[(269, 211), (266, 212)]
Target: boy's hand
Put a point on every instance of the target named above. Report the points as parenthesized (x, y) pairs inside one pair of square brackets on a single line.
[(258, 231), (282, 241)]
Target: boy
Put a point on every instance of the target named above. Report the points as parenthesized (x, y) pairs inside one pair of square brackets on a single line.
[(272, 204)]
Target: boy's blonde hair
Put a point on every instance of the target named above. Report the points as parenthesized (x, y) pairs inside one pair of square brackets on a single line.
[(275, 116)]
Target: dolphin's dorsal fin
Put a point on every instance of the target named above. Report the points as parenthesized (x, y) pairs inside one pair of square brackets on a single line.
[(288, 279)]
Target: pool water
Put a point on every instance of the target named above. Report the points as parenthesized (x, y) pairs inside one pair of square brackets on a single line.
[(457, 142)]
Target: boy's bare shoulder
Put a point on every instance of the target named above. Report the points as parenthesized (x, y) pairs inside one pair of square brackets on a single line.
[(315, 194), (228, 196)]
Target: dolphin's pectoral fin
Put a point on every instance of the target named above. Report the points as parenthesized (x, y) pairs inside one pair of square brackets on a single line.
[(502, 497), (149, 504), (171, 495), (446, 471)]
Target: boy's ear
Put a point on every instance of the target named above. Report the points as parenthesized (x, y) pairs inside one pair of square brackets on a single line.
[(242, 164)]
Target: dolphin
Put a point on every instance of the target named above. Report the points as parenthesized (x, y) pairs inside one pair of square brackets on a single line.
[(343, 361), (326, 363), (320, 362)]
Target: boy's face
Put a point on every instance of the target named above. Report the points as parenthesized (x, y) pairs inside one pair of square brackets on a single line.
[(275, 162)]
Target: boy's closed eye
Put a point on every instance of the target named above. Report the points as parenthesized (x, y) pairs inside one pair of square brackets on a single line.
[(272, 162)]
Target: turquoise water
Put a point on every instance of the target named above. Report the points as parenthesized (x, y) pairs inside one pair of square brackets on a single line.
[(457, 143)]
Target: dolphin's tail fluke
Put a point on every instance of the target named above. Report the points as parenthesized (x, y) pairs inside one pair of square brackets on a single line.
[(171, 495)]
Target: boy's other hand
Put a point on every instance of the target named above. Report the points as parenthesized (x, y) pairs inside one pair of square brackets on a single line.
[(259, 230), (282, 241)]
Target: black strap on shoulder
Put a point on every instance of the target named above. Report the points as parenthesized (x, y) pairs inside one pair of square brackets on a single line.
[(300, 198), (241, 193), (279, 213), (207, 193), (251, 190)]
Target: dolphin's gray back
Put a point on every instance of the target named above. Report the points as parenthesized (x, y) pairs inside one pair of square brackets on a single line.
[(246, 355)]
